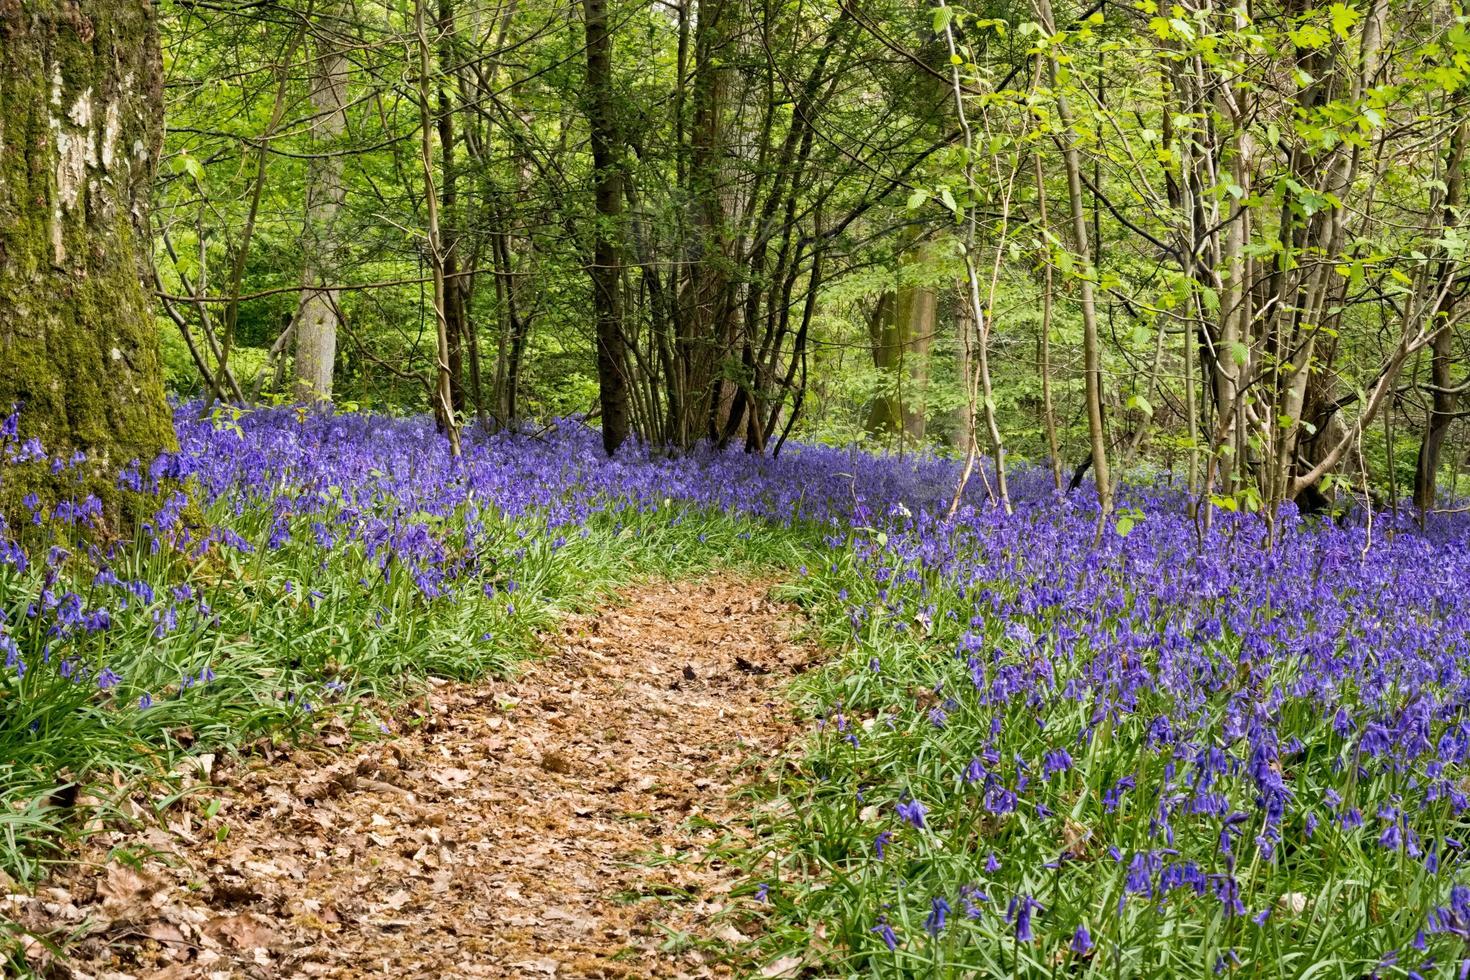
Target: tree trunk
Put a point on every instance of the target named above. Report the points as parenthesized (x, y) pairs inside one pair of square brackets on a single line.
[(456, 299), (708, 323), (902, 329), (1441, 414), (317, 314), (1043, 339), (1091, 345), (444, 414), (606, 259), (1444, 401), (81, 122)]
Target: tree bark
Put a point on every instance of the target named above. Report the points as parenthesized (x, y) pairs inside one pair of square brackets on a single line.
[(606, 269), (316, 315), (1043, 339), (444, 414), (902, 328), (456, 287), (708, 321), (1091, 345), (1443, 400), (81, 123), (1437, 426)]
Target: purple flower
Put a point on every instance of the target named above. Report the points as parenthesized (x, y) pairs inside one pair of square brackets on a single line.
[(1055, 761), (1020, 912), (938, 915), (912, 812)]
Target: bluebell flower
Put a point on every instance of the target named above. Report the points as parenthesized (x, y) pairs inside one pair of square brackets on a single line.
[(911, 811), (938, 915)]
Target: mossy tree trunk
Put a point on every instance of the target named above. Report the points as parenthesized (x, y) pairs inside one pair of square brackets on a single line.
[(902, 329), (81, 123)]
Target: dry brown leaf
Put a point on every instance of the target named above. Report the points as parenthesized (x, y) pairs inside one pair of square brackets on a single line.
[(165, 932), (450, 777), (247, 930), (786, 966), (126, 892)]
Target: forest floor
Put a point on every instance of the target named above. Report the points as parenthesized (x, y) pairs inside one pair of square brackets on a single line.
[(566, 823)]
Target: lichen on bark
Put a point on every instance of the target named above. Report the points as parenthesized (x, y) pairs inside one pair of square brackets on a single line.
[(80, 130)]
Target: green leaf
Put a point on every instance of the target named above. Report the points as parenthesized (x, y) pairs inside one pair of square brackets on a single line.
[(1344, 18)]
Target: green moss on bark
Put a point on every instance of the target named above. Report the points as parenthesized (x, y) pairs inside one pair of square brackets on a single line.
[(80, 126)]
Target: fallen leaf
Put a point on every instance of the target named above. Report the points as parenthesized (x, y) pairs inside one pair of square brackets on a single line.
[(554, 761), (786, 966), (244, 931), (165, 932), (450, 777), (731, 935), (125, 892), (537, 966)]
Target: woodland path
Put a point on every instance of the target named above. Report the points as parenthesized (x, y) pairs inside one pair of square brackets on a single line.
[(554, 825)]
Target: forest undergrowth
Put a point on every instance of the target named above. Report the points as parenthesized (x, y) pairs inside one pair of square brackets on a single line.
[(1171, 752)]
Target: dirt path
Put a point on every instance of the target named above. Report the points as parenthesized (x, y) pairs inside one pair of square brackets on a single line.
[(557, 825)]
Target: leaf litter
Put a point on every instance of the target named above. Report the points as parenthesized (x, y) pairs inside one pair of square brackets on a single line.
[(565, 823)]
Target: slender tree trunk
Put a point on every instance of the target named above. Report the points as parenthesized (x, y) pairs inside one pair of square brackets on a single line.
[(316, 314), (1443, 401), (456, 298), (606, 269), (1043, 344), (962, 423), (1091, 346), (1437, 426), (81, 122), (979, 394), (241, 249), (443, 399)]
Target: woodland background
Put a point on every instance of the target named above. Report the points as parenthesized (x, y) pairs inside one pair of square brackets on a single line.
[(1247, 214)]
